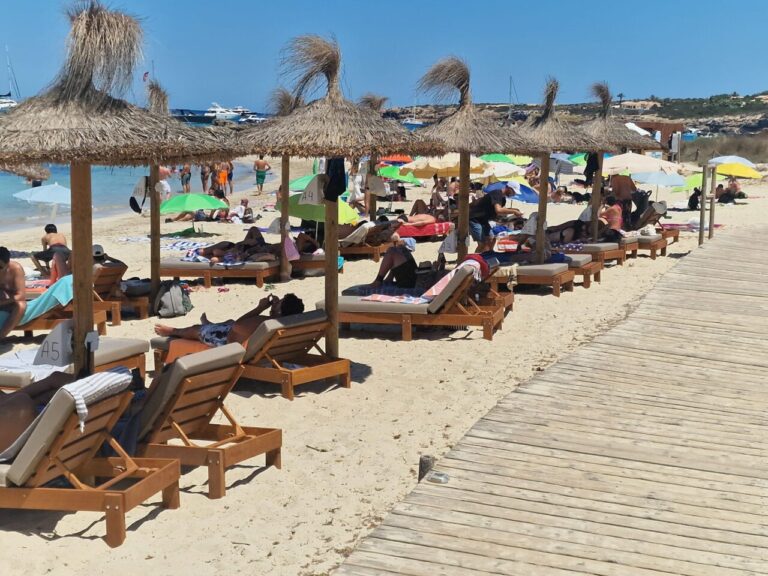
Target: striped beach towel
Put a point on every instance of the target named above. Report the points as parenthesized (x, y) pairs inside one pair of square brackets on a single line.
[(95, 387)]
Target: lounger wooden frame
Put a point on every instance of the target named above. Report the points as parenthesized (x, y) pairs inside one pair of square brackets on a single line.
[(589, 271), (54, 317), (559, 282), (630, 249), (108, 296), (659, 246), (208, 274), (669, 233), (294, 345), (374, 252), (458, 310), (187, 417), (618, 254), (72, 455)]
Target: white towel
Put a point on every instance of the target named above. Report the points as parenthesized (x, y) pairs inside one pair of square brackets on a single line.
[(93, 388)]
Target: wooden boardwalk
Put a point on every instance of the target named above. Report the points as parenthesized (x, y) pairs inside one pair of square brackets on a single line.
[(643, 453)]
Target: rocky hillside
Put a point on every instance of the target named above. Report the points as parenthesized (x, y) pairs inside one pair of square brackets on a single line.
[(722, 114)]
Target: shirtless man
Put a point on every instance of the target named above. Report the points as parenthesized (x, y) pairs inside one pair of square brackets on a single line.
[(54, 248), (261, 168), (13, 293), (221, 333)]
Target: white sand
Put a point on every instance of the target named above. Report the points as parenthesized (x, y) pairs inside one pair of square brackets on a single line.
[(348, 455)]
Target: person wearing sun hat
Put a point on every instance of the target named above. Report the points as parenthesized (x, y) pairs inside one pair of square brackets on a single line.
[(101, 258)]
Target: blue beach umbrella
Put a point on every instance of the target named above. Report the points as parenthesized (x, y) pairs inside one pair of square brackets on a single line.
[(49, 194), (524, 193), (731, 160), (658, 178)]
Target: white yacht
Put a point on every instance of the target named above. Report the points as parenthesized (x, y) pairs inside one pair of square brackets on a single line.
[(218, 112)]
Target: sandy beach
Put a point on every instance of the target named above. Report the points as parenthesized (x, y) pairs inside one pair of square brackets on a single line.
[(348, 455)]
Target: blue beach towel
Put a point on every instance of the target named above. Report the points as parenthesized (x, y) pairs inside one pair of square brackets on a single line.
[(58, 294)]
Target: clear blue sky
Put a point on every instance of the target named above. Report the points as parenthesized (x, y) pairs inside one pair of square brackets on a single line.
[(227, 50)]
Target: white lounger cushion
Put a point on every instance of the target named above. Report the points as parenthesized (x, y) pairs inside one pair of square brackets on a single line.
[(597, 247), (579, 260), (541, 269), (649, 239)]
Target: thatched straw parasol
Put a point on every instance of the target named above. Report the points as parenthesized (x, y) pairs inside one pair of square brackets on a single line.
[(551, 134), (606, 129), (29, 171), (466, 131), (77, 121), (373, 101), (329, 126)]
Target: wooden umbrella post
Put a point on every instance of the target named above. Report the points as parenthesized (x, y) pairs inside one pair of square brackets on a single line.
[(285, 173), (370, 198), (332, 277), (82, 263), (597, 196), (542, 216), (463, 205), (712, 202), (703, 204), (154, 235)]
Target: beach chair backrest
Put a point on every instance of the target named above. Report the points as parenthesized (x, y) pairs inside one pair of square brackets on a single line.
[(189, 392), (106, 280), (57, 445), (453, 292), (312, 324)]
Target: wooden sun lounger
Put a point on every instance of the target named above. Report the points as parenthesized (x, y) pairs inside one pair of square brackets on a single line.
[(373, 252), (178, 269), (311, 262), (583, 265), (671, 235), (108, 296), (181, 405), (602, 252), (630, 246), (280, 352), (653, 244), (452, 308), (57, 315), (71, 454), (284, 354), (558, 276)]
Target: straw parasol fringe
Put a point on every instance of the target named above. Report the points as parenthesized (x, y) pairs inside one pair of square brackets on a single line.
[(30, 171), (331, 125), (373, 101), (103, 49), (605, 129), (310, 58), (549, 133), (158, 98), (467, 129), (282, 102)]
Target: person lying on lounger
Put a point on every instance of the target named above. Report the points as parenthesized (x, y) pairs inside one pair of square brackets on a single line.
[(221, 333), (376, 234)]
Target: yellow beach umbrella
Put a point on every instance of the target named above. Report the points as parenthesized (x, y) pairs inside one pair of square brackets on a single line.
[(446, 166), (738, 170)]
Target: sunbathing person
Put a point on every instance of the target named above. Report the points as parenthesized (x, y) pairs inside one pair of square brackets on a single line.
[(418, 219), (249, 248), (221, 333), (54, 242), (13, 293), (376, 234)]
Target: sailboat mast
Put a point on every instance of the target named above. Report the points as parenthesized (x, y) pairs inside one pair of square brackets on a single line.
[(13, 85)]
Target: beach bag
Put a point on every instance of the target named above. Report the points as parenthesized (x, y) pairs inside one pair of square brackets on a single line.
[(172, 300)]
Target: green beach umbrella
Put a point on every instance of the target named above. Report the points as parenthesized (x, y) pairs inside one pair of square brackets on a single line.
[(190, 203), (578, 159), (393, 173), (299, 184), (347, 214), (693, 181), (497, 158)]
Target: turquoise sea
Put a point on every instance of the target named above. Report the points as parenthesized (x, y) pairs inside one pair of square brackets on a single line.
[(111, 187)]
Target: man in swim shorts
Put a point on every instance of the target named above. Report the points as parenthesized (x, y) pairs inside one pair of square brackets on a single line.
[(229, 331), (54, 242), (261, 167)]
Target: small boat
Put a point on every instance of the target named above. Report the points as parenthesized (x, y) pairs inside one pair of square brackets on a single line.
[(412, 123), (218, 112), (242, 110), (6, 102), (251, 119)]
